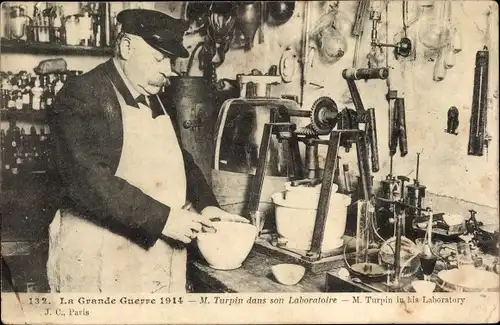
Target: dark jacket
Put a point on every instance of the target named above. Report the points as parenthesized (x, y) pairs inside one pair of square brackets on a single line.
[(87, 134)]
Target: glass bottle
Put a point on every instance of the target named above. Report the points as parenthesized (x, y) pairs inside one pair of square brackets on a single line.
[(49, 96), (19, 82), (20, 151), (13, 136), (86, 29), (34, 147), (449, 57), (11, 102), (27, 95), (456, 40), (435, 31), (26, 149), (14, 168), (439, 67), (37, 92), (58, 84), (43, 148), (43, 33), (5, 161), (19, 100), (6, 88)]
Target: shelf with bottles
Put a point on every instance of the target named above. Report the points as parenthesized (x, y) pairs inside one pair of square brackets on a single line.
[(24, 152), (26, 47), (48, 29), (24, 115), (25, 96)]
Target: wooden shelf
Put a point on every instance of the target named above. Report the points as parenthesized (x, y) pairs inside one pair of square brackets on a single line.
[(22, 115), (10, 46)]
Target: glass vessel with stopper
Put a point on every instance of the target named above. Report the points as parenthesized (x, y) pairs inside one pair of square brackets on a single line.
[(435, 31), (429, 250)]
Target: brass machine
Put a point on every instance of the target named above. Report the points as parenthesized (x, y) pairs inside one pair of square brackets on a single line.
[(324, 117)]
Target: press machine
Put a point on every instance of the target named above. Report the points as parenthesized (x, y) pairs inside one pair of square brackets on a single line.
[(324, 117)]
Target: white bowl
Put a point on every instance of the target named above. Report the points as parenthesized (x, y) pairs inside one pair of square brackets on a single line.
[(304, 193), (288, 274), (469, 279), (423, 286), (229, 246), (295, 221)]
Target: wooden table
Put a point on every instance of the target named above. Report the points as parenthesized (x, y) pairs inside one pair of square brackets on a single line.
[(253, 276)]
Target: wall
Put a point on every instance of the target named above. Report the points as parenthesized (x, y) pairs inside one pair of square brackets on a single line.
[(446, 169)]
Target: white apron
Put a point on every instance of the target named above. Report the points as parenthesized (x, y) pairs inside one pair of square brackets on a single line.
[(84, 257)]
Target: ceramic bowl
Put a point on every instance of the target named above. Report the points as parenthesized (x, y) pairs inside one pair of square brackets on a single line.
[(468, 280), (422, 286), (305, 193), (227, 248), (288, 274), (295, 220)]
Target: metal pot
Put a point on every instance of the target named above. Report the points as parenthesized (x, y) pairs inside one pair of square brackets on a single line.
[(279, 12), (248, 17)]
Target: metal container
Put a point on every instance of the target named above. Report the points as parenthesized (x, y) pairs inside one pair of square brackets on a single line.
[(193, 100)]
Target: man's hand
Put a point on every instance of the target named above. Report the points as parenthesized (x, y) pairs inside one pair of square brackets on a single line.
[(216, 213), (184, 225)]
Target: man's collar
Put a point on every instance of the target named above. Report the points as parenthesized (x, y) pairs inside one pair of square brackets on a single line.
[(131, 88)]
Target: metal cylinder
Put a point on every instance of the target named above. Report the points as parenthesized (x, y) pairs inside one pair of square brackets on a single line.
[(365, 73), (192, 99), (312, 160), (415, 194)]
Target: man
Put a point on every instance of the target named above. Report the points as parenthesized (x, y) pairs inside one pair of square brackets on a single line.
[(123, 223)]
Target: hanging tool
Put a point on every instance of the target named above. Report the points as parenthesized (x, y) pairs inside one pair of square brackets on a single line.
[(262, 21), (358, 26), (478, 137), (477, 131), (399, 135), (402, 48), (452, 123), (304, 51), (360, 19)]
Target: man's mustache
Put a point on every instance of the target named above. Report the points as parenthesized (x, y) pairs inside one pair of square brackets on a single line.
[(158, 82)]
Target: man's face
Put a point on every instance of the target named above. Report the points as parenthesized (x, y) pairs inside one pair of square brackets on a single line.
[(146, 67)]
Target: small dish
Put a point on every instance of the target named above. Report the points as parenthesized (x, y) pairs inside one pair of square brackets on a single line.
[(423, 286), (288, 274)]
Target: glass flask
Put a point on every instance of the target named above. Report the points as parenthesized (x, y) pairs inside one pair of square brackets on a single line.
[(435, 30)]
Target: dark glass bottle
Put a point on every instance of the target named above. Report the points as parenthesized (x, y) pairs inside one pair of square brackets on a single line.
[(4, 150), (49, 96), (34, 148), (13, 142), (43, 149)]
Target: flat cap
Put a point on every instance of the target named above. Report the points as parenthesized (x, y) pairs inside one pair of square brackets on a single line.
[(159, 30)]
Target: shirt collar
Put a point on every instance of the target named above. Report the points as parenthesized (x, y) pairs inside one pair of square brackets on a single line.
[(131, 88)]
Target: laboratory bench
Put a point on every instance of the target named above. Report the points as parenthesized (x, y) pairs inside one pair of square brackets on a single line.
[(255, 275)]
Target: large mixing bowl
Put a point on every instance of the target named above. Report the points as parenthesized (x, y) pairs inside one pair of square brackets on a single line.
[(227, 248), (295, 220)]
